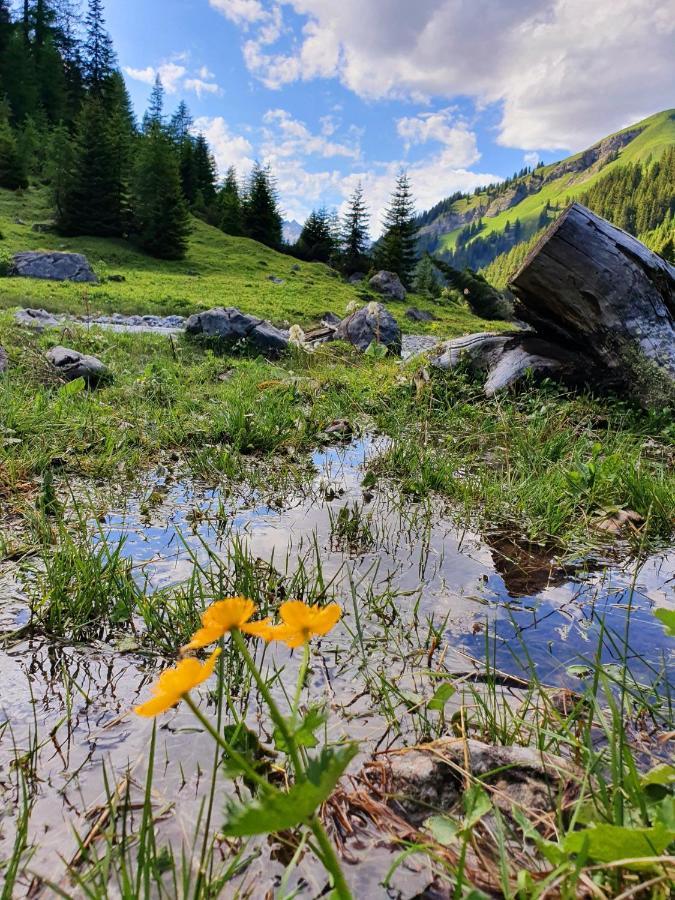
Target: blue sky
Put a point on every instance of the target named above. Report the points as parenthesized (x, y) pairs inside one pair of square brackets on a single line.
[(460, 92)]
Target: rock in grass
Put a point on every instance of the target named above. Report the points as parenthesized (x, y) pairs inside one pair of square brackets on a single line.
[(230, 326), (4, 362), (372, 323), (52, 266), (389, 284), (432, 776), (39, 319), (71, 365), (419, 315)]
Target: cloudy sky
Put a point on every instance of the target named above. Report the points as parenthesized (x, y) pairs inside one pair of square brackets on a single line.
[(460, 92)]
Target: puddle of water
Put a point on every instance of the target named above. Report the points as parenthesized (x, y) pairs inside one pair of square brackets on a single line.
[(409, 563)]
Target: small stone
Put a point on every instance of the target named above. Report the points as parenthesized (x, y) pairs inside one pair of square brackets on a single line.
[(275, 280), (118, 279), (38, 319), (356, 278), (419, 315), (71, 364)]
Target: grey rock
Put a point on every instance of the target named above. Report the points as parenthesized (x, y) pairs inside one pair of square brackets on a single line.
[(4, 362), (388, 284), (275, 280), (414, 344), (231, 326), (371, 323), (39, 319), (330, 318), (44, 228), (52, 266), (431, 777), (356, 278), (71, 365), (419, 315), (174, 321), (118, 279), (295, 267)]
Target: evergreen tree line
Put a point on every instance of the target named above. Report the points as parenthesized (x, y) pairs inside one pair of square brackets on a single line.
[(344, 243)]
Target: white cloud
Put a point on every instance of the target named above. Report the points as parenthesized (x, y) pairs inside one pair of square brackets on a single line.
[(459, 141), (175, 77), (285, 136), (531, 159), (229, 149), (201, 87), (565, 71)]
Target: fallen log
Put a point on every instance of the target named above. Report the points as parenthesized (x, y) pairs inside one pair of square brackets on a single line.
[(601, 307)]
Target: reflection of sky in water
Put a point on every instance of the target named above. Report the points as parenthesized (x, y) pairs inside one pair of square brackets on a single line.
[(416, 553)]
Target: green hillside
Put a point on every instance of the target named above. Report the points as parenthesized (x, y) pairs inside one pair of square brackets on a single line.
[(219, 270), (532, 198)]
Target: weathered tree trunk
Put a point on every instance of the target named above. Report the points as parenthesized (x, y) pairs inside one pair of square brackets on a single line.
[(602, 307), (595, 290)]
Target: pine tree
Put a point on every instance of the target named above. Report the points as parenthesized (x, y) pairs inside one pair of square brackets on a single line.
[(160, 211), (204, 167), (92, 204), (354, 234), (60, 169), (99, 56), (12, 172), (180, 124), (186, 166), (426, 281), (316, 241), (229, 205), (261, 217), (396, 251), (155, 111)]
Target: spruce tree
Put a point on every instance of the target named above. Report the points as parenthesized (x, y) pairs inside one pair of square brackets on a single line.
[(155, 112), (180, 124), (229, 205), (316, 241), (92, 204), (261, 217), (354, 234), (426, 281), (396, 251), (99, 56), (160, 212), (12, 172), (60, 170)]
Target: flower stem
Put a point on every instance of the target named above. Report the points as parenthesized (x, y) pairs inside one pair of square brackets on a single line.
[(330, 859), (277, 717), (240, 760), (302, 675)]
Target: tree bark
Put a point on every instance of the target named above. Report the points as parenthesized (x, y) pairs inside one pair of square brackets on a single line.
[(591, 289)]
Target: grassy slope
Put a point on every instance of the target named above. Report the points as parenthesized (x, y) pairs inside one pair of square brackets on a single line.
[(658, 134), (219, 271)]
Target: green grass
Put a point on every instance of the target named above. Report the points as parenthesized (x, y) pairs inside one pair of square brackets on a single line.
[(219, 270), (551, 461), (658, 134)]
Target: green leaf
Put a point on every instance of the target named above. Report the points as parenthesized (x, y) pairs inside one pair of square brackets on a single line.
[(667, 617), (664, 813), (663, 775), (303, 736), (443, 829), (608, 843), (443, 693), (72, 387), (246, 743), (376, 350), (476, 804), (271, 813)]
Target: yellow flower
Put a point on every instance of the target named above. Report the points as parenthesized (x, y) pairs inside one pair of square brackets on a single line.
[(173, 684), (300, 622), (221, 617)]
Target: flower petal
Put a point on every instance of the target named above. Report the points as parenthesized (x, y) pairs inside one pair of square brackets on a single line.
[(156, 705), (326, 619), (260, 629), (295, 613), (230, 613)]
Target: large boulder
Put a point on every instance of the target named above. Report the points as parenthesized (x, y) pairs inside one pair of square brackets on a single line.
[(231, 326), (39, 319), (71, 365), (52, 266), (372, 323), (388, 284)]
